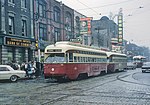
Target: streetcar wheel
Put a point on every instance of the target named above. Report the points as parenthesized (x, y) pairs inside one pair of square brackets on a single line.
[(82, 76), (61, 80)]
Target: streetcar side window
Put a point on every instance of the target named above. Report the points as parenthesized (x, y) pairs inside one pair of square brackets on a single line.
[(66, 57), (70, 57), (75, 59)]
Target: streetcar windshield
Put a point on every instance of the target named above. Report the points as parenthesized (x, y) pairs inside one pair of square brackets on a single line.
[(55, 58)]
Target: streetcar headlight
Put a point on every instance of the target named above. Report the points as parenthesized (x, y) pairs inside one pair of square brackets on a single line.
[(75, 68), (52, 69)]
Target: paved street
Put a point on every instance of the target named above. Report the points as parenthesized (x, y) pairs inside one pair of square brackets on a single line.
[(131, 87)]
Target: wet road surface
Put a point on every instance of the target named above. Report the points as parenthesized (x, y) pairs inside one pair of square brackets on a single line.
[(131, 87)]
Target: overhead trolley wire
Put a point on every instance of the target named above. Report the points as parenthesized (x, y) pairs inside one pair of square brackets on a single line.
[(103, 5)]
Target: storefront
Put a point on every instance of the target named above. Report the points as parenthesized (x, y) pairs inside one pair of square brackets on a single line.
[(16, 49)]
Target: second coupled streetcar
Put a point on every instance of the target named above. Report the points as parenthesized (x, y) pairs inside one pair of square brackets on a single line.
[(67, 60), (116, 62)]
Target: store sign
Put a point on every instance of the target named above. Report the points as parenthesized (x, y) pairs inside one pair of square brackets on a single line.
[(120, 29), (17, 42), (85, 24)]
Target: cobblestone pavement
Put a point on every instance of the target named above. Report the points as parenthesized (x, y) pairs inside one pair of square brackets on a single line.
[(124, 88)]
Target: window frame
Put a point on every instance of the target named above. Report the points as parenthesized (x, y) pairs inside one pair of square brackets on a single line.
[(11, 1), (57, 14), (42, 32), (57, 34), (23, 4), (11, 24), (5, 69), (42, 10), (24, 27)]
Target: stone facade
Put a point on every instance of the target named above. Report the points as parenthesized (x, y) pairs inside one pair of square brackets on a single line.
[(16, 35)]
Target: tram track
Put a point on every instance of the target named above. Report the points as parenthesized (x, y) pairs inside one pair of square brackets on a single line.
[(120, 77), (37, 91), (73, 85), (81, 90)]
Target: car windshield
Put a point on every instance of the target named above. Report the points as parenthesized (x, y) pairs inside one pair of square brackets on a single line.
[(146, 64), (55, 58)]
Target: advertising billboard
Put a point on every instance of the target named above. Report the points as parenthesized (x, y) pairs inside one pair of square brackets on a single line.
[(85, 25)]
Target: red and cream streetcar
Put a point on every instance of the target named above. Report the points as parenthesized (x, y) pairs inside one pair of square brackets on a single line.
[(116, 62), (67, 60), (139, 60)]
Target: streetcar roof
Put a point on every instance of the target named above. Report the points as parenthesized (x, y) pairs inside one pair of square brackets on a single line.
[(114, 53), (139, 57), (64, 46)]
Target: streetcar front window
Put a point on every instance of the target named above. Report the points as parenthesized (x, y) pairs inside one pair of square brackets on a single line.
[(55, 58)]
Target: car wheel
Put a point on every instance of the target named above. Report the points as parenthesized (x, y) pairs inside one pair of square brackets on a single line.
[(143, 71), (13, 78)]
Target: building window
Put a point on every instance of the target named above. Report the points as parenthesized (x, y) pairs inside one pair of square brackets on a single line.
[(24, 28), (11, 25), (56, 14), (23, 3), (43, 32), (68, 24), (42, 10), (11, 1), (57, 36)]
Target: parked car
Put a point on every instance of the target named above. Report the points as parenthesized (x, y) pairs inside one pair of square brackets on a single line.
[(8, 73), (131, 65), (146, 67)]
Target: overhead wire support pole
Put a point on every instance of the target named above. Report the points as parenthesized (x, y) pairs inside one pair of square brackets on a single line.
[(38, 36)]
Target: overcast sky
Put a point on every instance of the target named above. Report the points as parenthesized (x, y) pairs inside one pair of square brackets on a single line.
[(136, 15)]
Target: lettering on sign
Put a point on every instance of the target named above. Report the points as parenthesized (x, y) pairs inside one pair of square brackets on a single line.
[(17, 42)]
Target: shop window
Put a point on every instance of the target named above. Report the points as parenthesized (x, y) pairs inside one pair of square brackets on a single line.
[(10, 54), (21, 54)]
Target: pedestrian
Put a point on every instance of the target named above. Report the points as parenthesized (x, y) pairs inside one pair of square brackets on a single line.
[(25, 67), (31, 69), (34, 67), (14, 65)]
